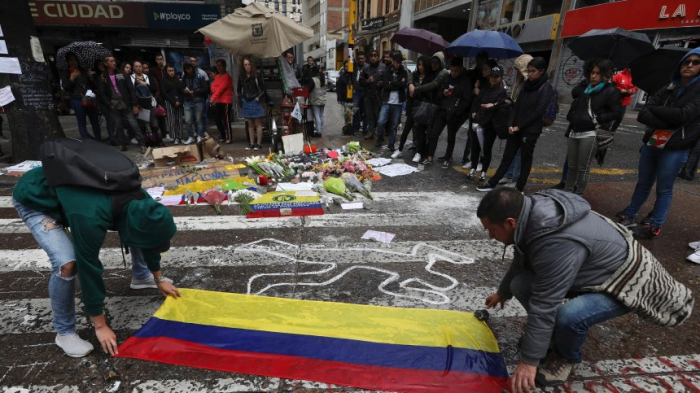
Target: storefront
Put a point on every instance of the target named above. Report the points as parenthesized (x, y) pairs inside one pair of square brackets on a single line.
[(132, 30), (666, 22)]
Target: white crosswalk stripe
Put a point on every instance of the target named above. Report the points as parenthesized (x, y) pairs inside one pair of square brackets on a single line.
[(273, 267)]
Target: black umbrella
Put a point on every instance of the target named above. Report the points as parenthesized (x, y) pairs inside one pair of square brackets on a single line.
[(618, 45), (653, 71), (87, 52), (419, 40)]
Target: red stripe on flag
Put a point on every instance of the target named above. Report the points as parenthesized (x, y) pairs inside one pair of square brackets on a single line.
[(171, 351)]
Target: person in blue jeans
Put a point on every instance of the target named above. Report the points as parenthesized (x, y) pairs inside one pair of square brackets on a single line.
[(673, 119), (393, 85), (196, 93), (564, 250), (54, 240)]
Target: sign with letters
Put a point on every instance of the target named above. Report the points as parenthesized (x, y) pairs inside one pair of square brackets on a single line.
[(181, 16), (84, 13)]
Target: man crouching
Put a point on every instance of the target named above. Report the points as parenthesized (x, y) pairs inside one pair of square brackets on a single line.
[(564, 250)]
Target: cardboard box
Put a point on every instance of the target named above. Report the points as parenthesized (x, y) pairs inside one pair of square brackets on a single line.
[(177, 155)]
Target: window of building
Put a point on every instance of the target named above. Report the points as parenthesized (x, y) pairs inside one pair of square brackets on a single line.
[(513, 11), (397, 4), (277, 5), (284, 7), (387, 6), (544, 7), (368, 9)]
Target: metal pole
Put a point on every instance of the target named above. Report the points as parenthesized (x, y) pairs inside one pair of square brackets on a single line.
[(351, 44)]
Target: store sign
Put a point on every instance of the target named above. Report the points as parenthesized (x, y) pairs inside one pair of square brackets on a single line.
[(532, 30), (374, 23), (82, 13), (639, 15), (181, 16)]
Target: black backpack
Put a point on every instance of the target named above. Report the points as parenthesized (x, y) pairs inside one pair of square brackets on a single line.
[(88, 163)]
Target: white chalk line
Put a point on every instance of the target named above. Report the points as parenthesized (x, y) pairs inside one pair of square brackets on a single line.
[(438, 291)]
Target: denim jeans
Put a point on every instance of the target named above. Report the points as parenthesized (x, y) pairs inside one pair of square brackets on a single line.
[(106, 114), (194, 110), (514, 168), (318, 117), (390, 113), (574, 317), (358, 112), (59, 248), (124, 118), (82, 114), (660, 166)]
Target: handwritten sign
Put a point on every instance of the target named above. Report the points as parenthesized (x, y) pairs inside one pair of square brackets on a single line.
[(35, 87)]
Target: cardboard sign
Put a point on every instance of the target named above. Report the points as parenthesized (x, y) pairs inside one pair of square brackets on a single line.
[(175, 155)]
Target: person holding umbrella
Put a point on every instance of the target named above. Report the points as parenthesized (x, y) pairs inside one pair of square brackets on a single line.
[(78, 83), (673, 119), (526, 124)]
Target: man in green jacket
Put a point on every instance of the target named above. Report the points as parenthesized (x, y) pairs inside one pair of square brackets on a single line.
[(143, 224)]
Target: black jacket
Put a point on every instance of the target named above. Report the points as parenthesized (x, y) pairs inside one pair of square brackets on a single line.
[(605, 104), (394, 80), (376, 72), (667, 111), (341, 86), (531, 105), (77, 88), (250, 88), (415, 80), (460, 102), (357, 72), (172, 90), (124, 85), (488, 95)]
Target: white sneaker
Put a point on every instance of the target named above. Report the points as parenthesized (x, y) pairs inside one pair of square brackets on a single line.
[(167, 138), (199, 139), (416, 158), (468, 165), (189, 141), (134, 141), (694, 245), (146, 283), (694, 257), (73, 345), (478, 168), (396, 154), (177, 142)]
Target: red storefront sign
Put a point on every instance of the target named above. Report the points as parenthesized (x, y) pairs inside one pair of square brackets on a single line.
[(82, 13), (633, 15)]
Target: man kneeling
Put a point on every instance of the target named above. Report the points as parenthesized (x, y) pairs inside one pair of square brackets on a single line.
[(565, 250)]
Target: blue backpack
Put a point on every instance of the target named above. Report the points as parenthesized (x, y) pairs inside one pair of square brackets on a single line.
[(550, 114)]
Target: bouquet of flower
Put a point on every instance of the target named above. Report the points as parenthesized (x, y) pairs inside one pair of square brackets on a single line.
[(337, 186), (244, 198), (255, 163), (191, 198), (351, 182), (215, 198)]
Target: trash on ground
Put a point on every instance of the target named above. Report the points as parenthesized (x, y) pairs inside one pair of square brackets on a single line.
[(382, 237), (396, 170)]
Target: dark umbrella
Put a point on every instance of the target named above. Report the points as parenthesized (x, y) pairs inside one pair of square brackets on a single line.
[(653, 71), (419, 40), (618, 45), (87, 52), (498, 45)]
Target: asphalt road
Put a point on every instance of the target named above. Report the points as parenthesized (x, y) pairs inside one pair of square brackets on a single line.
[(432, 213)]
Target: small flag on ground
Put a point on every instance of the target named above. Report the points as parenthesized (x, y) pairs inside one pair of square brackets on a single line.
[(371, 347)]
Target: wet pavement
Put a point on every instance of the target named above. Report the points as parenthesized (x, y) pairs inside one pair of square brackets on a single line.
[(439, 245)]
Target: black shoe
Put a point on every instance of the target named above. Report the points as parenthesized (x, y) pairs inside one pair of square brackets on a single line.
[(427, 162), (486, 187), (443, 158), (559, 186), (250, 146), (646, 232), (412, 148), (445, 164), (391, 148), (628, 222), (647, 220)]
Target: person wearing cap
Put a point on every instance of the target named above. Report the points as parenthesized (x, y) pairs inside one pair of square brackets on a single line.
[(491, 98), (143, 224)]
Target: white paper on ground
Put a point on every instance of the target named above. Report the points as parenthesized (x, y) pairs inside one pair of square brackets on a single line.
[(144, 114), (170, 200), (307, 193), (23, 166), (293, 144), (379, 161), (155, 192), (396, 170), (301, 186), (6, 95), (382, 237), (352, 206)]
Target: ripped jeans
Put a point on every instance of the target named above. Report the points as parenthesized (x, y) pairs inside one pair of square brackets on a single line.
[(56, 242)]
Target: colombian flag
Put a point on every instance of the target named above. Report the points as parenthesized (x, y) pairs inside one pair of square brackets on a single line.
[(371, 347)]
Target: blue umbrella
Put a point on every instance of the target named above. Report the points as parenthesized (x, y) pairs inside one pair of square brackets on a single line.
[(498, 45)]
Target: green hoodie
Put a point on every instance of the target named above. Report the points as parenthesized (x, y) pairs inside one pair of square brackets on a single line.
[(142, 223)]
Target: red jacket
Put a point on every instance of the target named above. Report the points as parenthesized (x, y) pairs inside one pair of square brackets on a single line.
[(623, 81), (222, 89)]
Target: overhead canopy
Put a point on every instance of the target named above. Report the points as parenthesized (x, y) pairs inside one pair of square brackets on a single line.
[(257, 31)]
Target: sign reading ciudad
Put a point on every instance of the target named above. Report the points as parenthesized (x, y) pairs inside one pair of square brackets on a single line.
[(83, 13)]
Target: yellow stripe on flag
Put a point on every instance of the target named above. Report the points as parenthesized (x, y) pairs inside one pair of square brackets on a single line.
[(388, 325)]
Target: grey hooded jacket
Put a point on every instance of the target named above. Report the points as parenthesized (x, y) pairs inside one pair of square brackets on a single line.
[(566, 248)]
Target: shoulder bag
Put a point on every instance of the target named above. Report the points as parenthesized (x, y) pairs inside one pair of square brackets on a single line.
[(603, 137), (423, 112)]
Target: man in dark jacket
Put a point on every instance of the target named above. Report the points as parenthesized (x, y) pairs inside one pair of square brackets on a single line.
[(341, 86), (370, 78), (526, 124), (393, 83), (118, 94), (358, 101), (562, 250)]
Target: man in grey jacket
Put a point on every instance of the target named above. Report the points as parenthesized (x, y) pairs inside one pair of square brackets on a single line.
[(561, 248)]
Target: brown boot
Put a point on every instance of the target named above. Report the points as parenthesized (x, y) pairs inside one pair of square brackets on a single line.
[(555, 371)]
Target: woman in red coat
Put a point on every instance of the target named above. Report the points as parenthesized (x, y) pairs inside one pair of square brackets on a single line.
[(222, 99)]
